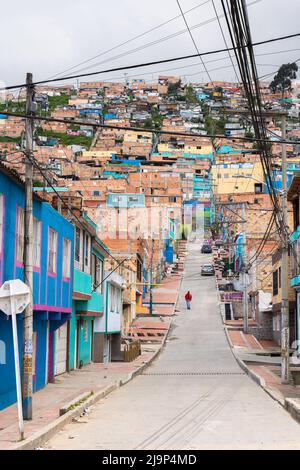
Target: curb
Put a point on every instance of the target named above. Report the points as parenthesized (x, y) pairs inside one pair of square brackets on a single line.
[(293, 408), (52, 428), (289, 404), (39, 438)]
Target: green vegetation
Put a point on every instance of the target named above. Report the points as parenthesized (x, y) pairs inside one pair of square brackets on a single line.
[(17, 140), (173, 88), (38, 183), (215, 126), (283, 79), (12, 107), (65, 139), (56, 101), (155, 121), (190, 94)]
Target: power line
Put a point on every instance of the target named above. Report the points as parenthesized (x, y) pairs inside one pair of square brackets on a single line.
[(129, 40), (193, 40), (193, 65), (141, 129), (224, 39), (155, 42), (38, 167), (148, 64)]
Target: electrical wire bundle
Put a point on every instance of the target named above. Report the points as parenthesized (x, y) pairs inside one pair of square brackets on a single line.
[(237, 20)]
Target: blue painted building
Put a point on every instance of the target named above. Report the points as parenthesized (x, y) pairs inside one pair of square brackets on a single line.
[(294, 198), (239, 252), (53, 239)]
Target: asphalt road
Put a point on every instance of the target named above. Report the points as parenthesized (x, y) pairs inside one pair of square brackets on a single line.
[(194, 396)]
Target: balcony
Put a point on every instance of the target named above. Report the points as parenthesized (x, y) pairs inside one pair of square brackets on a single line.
[(295, 249), (82, 285)]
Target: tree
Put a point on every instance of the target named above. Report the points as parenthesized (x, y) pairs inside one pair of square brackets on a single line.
[(283, 79), (174, 87), (190, 94)]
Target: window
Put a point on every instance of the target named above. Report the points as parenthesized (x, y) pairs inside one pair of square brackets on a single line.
[(66, 258), (296, 213), (258, 188), (36, 243), (85, 327), (115, 299), (77, 244), (52, 251), (275, 282), (20, 234), (112, 298), (1, 221), (97, 273), (133, 199), (87, 253), (279, 278), (96, 193)]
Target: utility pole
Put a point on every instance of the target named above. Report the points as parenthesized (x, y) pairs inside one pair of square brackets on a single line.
[(245, 277), (28, 254), (285, 323), (151, 282)]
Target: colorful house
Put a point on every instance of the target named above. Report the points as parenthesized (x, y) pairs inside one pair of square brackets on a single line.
[(108, 327), (53, 240), (294, 198), (88, 293)]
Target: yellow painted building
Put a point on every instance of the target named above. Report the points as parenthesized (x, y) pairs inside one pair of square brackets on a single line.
[(187, 149), (230, 178), (97, 153), (131, 136)]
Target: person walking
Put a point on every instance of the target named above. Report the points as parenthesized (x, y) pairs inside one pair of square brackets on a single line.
[(188, 299)]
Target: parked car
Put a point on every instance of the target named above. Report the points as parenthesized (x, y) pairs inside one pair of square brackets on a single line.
[(206, 249), (207, 270)]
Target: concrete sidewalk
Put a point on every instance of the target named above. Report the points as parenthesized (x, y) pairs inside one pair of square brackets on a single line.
[(76, 391), (94, 380), (261, 360)]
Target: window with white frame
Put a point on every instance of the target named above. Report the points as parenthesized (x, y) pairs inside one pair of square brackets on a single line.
[(66, 258), (112, 298), (52, 251), (115, 299), (87, 253), (97, 273), (20, 235), (1, 221), (77, 244), (36, 260)]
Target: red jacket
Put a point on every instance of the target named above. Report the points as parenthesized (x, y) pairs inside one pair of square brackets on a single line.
[(188, 296)]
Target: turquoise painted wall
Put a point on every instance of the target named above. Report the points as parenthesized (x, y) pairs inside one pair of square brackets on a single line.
[(82, 282), (84, 346), (71, 358)]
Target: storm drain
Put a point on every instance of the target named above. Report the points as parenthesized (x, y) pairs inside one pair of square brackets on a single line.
[(208, 373)]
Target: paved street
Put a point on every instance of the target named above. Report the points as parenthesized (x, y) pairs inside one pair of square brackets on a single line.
[(194, 396)]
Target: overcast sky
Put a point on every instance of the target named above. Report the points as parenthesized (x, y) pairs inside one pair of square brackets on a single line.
[(48, 37)]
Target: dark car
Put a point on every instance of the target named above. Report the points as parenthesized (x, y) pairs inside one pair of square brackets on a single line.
[(206, 249), (207, 270)]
